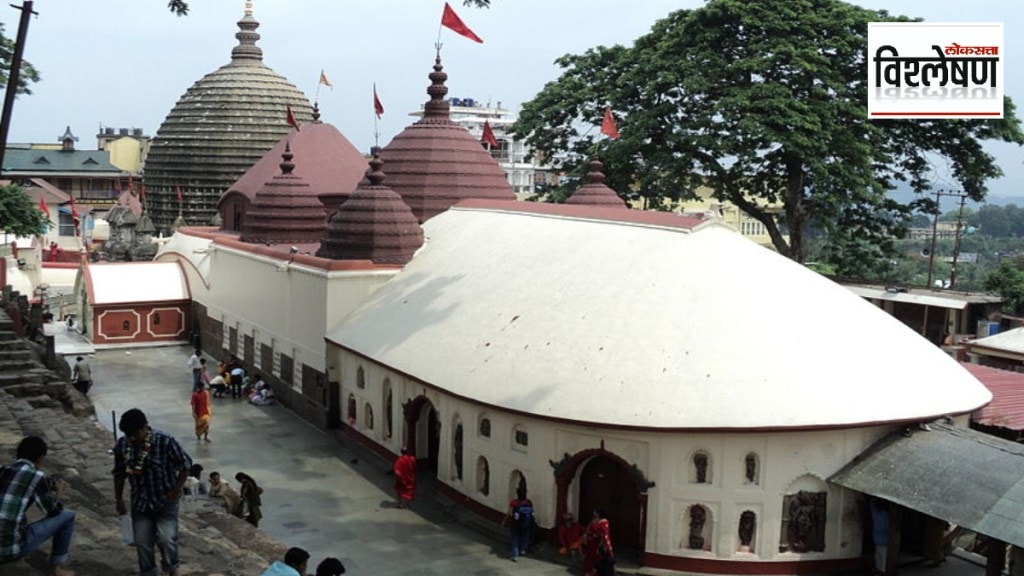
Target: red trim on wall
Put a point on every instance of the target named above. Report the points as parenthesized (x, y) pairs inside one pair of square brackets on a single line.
[(711, 566)]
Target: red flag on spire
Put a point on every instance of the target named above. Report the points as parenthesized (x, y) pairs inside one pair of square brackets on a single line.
[(378, 108), (177, 190), (451, 20), (142, 192), (291, 118), (44, 208), (488, 135), (608, 126)]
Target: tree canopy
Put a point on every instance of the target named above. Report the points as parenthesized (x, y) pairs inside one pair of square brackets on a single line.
[(18, 214), (765, 103), (26, 76)]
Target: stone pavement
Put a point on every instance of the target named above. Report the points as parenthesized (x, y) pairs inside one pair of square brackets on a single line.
[(329, 498)]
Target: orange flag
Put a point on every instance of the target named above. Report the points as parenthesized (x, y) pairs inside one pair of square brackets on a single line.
[(608, 126), (324, 80), (488, 135), (43, 207), (290, 118), (451, 20), (378, 108)]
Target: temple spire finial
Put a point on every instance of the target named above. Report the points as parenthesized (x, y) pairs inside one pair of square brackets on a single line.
[(248, 7)]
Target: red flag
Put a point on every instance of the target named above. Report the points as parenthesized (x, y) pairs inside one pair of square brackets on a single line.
[(291, 118), (451, 20), (131, 184), (488, 135), (142, 192), (608, 125), (177, 190), (378, 108), (74, 215), (44, 208)]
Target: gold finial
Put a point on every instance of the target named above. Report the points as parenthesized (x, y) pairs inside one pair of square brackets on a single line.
[(248, 8)]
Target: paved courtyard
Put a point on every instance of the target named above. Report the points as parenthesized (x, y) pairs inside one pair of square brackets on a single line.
[(329, 498)]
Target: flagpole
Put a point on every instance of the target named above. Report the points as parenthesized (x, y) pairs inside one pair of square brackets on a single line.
[(376, 118)]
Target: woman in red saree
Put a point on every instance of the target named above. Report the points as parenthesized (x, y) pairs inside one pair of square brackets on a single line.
[(599, 558), (405, 478)]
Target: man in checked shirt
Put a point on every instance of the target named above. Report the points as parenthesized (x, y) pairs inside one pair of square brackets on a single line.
[(156, 467), (22, 484)]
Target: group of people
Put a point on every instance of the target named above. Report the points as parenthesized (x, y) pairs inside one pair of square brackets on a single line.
[(295, 562), (230, 377), (156, 468), (595, 541)]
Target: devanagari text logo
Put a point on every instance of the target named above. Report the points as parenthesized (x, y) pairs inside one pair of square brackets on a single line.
[(935, 70)]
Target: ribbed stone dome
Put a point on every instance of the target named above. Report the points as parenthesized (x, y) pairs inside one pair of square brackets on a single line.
[(373, 224), (435, 163), (595, 192), (219, 128), (285, 210)]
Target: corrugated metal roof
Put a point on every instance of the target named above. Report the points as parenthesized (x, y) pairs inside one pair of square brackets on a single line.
[(1007, 407), (1011, 341), (907, 296), (966, 477)]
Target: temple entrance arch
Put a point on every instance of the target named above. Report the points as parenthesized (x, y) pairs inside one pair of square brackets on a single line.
[(422, 432), (604, 480)]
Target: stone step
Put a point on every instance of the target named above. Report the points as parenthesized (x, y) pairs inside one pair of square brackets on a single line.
[(14, 379), (17, 366), (14, 354)]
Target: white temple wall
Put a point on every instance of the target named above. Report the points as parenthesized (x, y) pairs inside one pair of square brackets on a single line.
[(786, 462)]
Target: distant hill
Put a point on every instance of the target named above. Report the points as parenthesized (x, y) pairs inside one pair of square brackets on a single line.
[(904, 195)]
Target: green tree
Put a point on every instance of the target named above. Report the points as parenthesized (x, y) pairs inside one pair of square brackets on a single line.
[(18, 214), (765, 103), (1007, 280), (28, 73)]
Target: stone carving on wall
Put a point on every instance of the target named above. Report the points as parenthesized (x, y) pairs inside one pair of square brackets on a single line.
[(697, 518), (805, 517), (748, 520)]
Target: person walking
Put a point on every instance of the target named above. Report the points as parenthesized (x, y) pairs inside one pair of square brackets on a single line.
[(520, 512), (405, 478), (250, 492), (202, 412), (22, 483), (156, 467), (195, 366), (81, 375), (599, 559)]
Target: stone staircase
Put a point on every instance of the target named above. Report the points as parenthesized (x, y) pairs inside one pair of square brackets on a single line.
[(35, 400)]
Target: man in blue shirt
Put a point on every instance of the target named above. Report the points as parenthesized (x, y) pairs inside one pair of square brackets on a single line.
[(22, 484), (156, 467)]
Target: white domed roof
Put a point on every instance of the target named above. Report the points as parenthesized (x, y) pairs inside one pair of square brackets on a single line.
[(618, 323)]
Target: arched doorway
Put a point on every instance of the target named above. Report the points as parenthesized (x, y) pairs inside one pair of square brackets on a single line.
[(423, 432), (606, 481), (604, 484)]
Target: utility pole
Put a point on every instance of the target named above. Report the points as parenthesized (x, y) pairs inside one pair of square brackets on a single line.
[(935, 232), (956, 242), (14, 77)]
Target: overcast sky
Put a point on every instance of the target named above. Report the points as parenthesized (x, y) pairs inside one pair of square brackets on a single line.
[(124, 63)]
